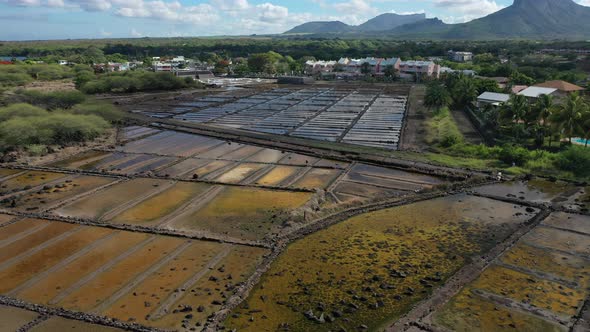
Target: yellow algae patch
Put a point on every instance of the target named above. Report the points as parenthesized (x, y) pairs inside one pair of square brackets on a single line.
[(96, 205), (232, 266), (530, 290), (4, 172), (59, 324), (28, 267), (277, 175), (552, 263), (242, 212), (239, 173), (48, 288), (317, 178), (267, 156), (34, 239), (373, 268), (560, 240), (60, 191), (105, 284), (150, 294), (468, 312), (11, 319), (210, 167), (27, 180), (156, 207)]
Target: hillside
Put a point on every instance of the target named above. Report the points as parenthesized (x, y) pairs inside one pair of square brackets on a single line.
[(389, 21), (321, 27), (382, 22), (531, 19)]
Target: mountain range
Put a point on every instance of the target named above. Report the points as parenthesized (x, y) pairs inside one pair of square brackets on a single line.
[(530, 19)]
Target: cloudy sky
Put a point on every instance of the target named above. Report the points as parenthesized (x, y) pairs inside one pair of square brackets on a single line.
[(62, 19)]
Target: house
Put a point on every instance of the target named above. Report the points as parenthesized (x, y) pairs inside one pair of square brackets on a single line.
[(535, 92), (466, 72), (502, 81), (518, 88), (563, 88), (420, 68), (162, 66), (492, 98), (63, 62), (393, 62), (317, 67), (460, 56), (111, 67)]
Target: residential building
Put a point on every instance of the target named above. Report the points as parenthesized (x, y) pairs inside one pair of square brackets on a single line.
[(393, 62), (518, 88), (420, 68), (63, 62), (460, 56), (162, 66), (563, 88), (535, 92), (492, 98), (111, 67), (317, 67)]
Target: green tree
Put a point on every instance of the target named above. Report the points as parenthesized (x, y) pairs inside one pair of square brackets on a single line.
[(542, 110), (365, 68), (464, 92), (568, 116), (437, 96), (390, 71)]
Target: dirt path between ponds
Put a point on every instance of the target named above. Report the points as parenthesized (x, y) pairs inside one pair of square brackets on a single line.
[(466, 127)]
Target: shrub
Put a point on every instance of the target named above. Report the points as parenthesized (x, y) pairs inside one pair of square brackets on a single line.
[(514, 155), (14, 79), (51, 100), (20, 110), (104, 110), (134, 81), (575, 159)]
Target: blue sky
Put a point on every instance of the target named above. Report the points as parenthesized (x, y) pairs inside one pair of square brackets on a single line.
[(62, 19)]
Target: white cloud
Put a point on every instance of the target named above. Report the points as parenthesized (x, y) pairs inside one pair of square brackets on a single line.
[(267, 12), (468, 9), (230, 5)]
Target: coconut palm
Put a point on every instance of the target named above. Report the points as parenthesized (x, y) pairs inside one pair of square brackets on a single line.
[(465, 91), (514, 114), (437, 96), (569, 115), (543, 109)]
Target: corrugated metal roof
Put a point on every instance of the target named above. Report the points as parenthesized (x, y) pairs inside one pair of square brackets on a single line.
[(493, 96), (535, 91)]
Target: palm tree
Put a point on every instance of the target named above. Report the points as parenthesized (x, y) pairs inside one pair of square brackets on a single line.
[(514, 114), (437, 96), (465, 91), (568, 116), (543, 109)]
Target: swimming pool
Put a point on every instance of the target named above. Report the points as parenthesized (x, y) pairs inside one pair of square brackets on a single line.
[(580, 141)]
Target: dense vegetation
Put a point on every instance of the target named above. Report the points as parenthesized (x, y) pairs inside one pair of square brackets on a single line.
[(530, 137), (134, 82), (54, 119), (17, 75)]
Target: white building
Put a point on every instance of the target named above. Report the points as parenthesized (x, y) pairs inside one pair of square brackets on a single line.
[(460, 56), (492, 98)]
